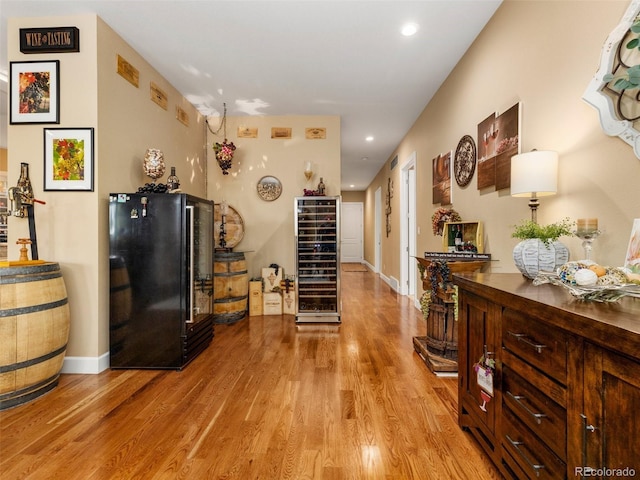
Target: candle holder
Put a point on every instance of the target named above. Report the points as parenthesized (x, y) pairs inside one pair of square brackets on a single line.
[(587, 237)]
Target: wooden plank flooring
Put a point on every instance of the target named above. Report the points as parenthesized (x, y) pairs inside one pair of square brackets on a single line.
[(267, 400)]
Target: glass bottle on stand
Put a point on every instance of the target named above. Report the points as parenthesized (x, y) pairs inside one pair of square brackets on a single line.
[(173, 182), (587, 231)]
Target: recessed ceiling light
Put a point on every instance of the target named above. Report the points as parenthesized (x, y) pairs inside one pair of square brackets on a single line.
[(352, 185), (409, 29), (365, 158), (369, 138)]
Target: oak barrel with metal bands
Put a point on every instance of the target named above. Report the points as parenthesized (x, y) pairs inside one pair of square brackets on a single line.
[(34, 331), (230, 287)]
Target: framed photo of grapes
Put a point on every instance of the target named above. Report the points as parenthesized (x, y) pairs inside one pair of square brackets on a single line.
[(68, 159), (34, 92)]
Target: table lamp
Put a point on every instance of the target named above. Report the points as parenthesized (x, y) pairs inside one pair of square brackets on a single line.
[(534, 174)]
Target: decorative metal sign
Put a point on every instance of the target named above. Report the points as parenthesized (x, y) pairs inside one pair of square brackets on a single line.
[(50, 40)]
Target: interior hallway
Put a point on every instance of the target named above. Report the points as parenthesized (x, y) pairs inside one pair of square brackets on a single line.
[(267, 399)]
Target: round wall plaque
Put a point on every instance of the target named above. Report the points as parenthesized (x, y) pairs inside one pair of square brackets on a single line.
[(464, 163), (269, 188)]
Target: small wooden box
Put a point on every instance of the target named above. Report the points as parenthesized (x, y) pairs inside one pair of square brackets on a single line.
[(271, 279), (289, 302), (472, 233), (255, 298), (271, 303)]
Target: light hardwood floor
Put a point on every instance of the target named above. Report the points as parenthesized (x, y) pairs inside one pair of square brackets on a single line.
[(267, 400)]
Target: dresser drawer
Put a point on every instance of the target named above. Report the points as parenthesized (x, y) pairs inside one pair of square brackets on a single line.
[(541, 414), (528, 452), (540, 345)]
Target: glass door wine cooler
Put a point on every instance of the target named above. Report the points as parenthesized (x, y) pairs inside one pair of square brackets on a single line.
[(317, 231)]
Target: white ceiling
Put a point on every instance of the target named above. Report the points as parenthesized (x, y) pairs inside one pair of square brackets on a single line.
[(302, 57)]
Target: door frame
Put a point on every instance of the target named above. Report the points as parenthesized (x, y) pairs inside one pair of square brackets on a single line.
[(408, 225), (378, 230)]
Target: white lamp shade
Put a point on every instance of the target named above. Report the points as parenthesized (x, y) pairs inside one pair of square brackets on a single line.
[(534, 174)]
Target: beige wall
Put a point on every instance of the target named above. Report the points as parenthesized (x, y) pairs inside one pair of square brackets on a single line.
[(542, 54), (72, 227), (348, 196), (269, 226)]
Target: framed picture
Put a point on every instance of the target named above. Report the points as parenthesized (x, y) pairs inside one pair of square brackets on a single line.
[(632, 260), (68, 159), (34, 92)]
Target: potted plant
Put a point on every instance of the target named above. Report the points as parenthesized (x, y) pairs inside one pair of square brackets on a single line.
[(539, 249)]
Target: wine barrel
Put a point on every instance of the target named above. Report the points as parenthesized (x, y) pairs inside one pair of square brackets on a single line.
[(34, 326), (442, 330), (230, 287)]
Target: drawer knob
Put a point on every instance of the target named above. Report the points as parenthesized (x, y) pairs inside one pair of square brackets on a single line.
[(522, 337), (536, 467), (519, 401)]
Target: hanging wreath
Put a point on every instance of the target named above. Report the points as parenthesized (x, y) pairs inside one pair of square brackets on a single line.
[(441, 216)]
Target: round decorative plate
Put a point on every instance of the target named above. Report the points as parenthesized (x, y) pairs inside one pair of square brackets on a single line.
[(464, 163), (269, 188), (233, 226)]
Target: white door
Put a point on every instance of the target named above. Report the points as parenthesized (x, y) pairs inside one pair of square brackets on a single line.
[(408, 227), (351, 249)]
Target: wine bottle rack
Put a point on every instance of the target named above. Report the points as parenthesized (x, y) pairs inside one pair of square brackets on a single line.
[(317, 232)]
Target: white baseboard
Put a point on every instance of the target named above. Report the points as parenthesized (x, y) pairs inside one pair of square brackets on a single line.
[(88, 365), (392, 282)]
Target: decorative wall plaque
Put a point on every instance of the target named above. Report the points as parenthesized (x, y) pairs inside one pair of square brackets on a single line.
[(464, 163), (128, 72), (280, 132), (182, 116), (247, 132), (315, 133), (50, 40), (269, 188), (158, 95)]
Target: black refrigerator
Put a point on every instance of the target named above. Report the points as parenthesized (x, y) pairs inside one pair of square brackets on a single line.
[(161, 279)]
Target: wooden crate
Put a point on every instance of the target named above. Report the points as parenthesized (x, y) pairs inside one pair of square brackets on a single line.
[(271, 303), (255, 298)]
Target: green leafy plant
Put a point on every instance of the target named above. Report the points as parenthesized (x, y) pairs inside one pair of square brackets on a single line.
[(546, 233), (630, 78)]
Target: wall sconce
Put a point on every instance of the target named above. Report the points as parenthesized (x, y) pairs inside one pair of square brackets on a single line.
[(534, 174), (308, 173)]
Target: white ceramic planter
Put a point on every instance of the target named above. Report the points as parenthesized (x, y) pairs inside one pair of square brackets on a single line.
[(532, 256)]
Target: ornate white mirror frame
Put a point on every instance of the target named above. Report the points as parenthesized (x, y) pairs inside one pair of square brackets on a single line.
[(619, 110)]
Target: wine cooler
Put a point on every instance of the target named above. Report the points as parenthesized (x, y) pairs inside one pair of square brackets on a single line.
[(161, 279), (317, 240)]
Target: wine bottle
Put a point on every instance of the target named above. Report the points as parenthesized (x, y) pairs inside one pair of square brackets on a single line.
[(173, 183), (458, 239)]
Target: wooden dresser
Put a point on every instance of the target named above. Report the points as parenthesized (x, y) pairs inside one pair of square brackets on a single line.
[(566, 381)]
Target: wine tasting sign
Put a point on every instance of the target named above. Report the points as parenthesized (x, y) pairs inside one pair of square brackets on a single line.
[(50, 40)]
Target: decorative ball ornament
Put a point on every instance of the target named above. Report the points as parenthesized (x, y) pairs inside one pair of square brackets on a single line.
[(153, 164), (586, 277)]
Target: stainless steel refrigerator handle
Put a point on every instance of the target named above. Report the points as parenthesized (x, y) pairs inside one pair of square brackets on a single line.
[(190, 287)]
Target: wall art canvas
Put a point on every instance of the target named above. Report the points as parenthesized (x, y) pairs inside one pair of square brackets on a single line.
[(442, 179), (498, 141)]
